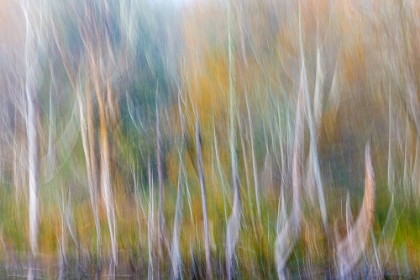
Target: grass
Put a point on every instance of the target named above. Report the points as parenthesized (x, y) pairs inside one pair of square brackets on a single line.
[(254, 249)]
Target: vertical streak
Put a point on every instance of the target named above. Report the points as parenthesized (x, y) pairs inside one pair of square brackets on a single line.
[(203, 200), (313, 137), (150, 225), (175, 250), (233, 226), (90, 163), (33, 169), (390, 131), (160, 201), (254, 161), (290, 231), (31, 68)]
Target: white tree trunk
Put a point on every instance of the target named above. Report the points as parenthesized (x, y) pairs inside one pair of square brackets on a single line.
[(32, 72)]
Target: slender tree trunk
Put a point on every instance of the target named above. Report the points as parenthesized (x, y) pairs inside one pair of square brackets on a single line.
[(233, 226), (175, 249), (89, 151), (203, 200), (150, 225), (106, 184), (32, 136), (32, 70), (161, 198)]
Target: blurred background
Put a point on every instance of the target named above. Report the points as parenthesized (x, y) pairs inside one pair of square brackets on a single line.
[(209, 139)]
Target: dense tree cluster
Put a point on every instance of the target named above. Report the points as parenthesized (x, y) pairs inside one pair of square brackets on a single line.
[(209, 138)]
